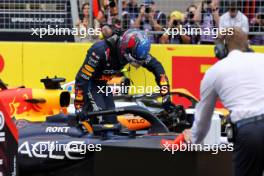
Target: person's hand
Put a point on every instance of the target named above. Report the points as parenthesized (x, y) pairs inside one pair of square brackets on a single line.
[(187, 135), (100, 17), (254, 21), (167, 104), (214, 7), (142, 11), (85, 23), (151, 16), (78, 23), (80, 114), (170, 24)]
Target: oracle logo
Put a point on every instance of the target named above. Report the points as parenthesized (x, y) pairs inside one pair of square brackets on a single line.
[(2, 125), (2, 63)]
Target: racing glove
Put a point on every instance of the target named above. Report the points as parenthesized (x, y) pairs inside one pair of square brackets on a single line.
[(167, 104), (79, 103), (165, 93)]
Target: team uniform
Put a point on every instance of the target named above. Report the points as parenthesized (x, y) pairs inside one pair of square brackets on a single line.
[(103, 61), (238, 81)]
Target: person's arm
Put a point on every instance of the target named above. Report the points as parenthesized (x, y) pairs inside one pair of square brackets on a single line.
[(101, 17), (154, 23), (162, 20), (221, 22), (78, 23), (186, 39), (137, 22), (164, 39), (96, 24), (198, 13), (215, 13), (154, 66), (126, 21), (139, 18), (204, 110), (245, 25), (93, 61)]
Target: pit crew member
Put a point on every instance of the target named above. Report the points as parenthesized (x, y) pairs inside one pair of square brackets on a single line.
[(239, 83)]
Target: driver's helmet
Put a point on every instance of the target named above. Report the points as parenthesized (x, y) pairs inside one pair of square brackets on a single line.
[(135, 46)]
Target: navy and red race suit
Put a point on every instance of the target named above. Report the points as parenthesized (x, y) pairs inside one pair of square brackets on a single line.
[(103, 62)]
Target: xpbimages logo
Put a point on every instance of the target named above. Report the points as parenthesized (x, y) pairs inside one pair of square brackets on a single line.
[(50, 31), (189, 147), (123, 89), (214, 32), (73, 150)]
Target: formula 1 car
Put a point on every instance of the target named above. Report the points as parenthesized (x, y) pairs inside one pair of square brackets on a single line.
[(177, 120), (58, 145), (180, 118), (52, 141), (35, 105)]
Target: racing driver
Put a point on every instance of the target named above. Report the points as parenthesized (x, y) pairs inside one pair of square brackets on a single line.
[(103, 61)]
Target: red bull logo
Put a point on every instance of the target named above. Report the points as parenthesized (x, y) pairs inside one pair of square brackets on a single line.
[(15, 101)]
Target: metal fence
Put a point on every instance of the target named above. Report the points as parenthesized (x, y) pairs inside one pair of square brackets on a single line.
[(22, 15), (250, 8), (155, 15)]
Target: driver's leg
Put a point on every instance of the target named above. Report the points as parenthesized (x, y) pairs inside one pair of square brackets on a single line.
[(97, 101), (109, 104)]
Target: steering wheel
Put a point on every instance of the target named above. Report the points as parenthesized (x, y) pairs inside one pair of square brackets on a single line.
[(176, 119)]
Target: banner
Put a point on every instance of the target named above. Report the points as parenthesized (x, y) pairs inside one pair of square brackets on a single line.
[(26, 63)]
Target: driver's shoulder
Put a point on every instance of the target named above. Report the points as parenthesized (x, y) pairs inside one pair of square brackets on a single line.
[(100, 45)]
